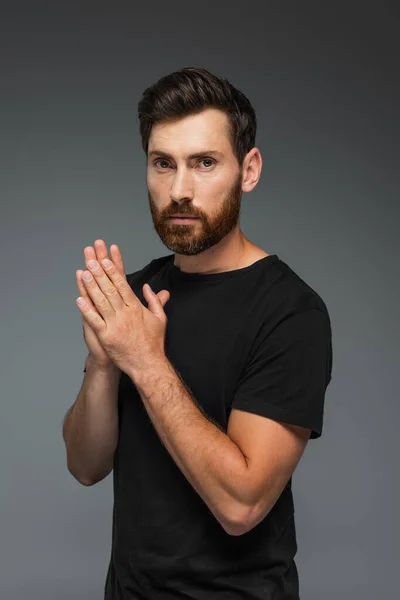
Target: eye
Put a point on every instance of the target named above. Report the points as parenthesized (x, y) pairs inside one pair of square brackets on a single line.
[(208, 160), (211, 162), (160, 160)]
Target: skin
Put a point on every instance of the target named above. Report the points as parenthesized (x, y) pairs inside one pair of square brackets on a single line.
[(209, 187), (98, 354)]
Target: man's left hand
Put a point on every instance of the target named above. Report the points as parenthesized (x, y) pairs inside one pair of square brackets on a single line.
[(132, 335)]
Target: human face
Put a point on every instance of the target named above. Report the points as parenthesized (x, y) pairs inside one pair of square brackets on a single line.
[(208, 186)]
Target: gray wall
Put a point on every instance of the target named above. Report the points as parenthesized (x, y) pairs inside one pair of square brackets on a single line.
[(323, 79)]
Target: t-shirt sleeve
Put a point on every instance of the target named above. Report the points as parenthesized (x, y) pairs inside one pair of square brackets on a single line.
[(288, 372)]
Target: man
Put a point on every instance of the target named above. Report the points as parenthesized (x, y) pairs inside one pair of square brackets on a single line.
[(202, 390)]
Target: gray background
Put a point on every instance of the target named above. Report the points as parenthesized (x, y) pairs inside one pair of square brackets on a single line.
[(323, 79)]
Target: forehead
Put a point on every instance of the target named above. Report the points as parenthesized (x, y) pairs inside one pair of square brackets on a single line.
[(208, 129)]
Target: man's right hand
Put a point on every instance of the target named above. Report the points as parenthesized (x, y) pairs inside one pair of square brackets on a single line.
[(98, 355)]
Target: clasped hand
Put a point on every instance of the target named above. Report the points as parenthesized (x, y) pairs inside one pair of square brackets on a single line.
[(131, 334)]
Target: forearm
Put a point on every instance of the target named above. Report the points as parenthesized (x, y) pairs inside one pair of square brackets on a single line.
[(209, 459), (90, 428)]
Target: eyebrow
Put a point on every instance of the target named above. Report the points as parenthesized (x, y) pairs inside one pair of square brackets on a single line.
[(190, 156)]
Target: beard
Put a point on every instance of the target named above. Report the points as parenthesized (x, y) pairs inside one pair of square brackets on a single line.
[(202, 234)]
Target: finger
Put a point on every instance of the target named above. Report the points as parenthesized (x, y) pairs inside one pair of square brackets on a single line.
[(92, 317), (100, 249), (100, 252), (107, 287), (121, 284), (82, 289), (116, 258), (154, 303), (164, 296), (100, 301), (90, 254)]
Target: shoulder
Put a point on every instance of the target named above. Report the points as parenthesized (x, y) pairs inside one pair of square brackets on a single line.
[(291, 294), (302, 317), (289, 309)]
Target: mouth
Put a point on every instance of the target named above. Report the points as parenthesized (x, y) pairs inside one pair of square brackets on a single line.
[(183, 219)]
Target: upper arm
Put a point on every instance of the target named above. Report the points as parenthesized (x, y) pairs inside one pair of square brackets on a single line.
[(278, 405), (272, 450)]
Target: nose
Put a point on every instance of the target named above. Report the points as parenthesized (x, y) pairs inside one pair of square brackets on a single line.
[(182, 186)]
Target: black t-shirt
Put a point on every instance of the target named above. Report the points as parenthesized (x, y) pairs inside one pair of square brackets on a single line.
[(257, 339)]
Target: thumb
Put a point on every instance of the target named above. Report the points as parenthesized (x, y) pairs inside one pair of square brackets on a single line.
[(155, 305), (164, 296)]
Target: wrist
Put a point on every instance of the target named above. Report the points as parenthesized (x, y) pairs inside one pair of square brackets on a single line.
[(109, 369), (149, 377)]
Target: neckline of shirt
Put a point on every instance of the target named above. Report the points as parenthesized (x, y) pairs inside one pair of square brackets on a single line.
[(179, 275)]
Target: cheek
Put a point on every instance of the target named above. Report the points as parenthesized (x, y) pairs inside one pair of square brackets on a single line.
[(154, 192), (212, 188), (156, 185), (149, 181)]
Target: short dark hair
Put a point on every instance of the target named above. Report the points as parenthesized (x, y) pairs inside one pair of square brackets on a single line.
[(191, 90)]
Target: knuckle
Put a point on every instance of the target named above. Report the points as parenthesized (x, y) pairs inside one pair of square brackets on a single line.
[(121, 283), (111, 291), (103, 303), (97, 320)]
